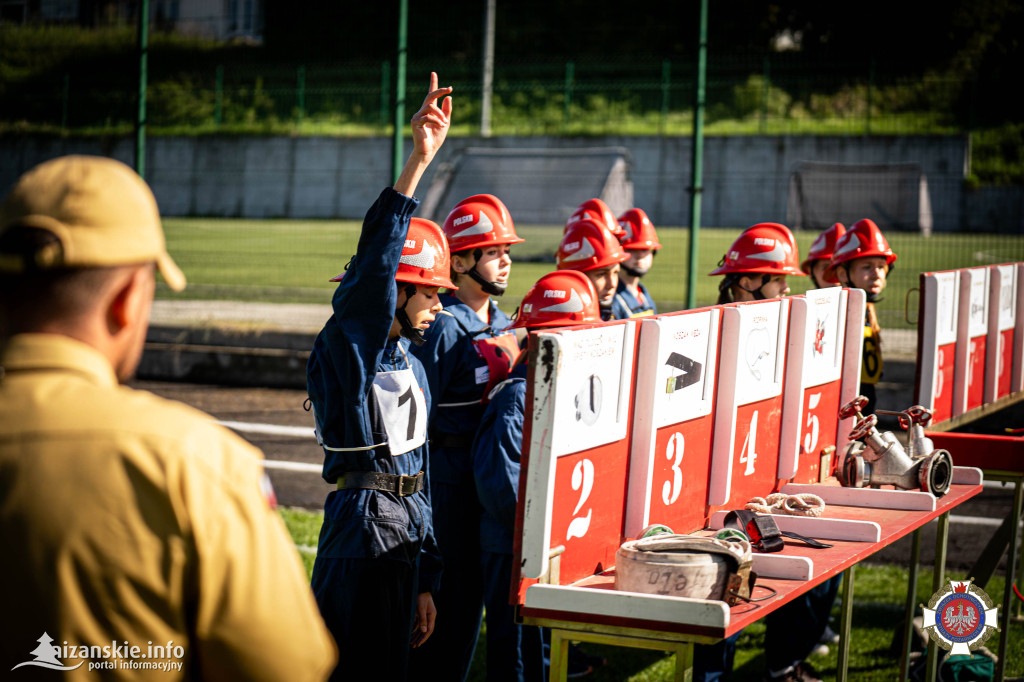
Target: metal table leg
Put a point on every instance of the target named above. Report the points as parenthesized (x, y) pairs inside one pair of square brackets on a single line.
[(845, 620), (1011, 572), (938, 578), (558, 669), (911, 608)]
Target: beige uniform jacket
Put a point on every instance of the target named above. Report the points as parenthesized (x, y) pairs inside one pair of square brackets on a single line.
[(130, 521)]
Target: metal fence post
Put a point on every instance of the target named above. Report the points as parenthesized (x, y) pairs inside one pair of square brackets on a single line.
[(697, 167), (385, 86), (140, 121), (218, 96), (666, 89), (871, 84), (65, 96), (487, 82), (300, 94), (570, 74), (765, 87), (396, 140)]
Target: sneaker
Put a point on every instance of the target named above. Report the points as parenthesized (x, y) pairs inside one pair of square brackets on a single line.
[(820, 650), (829, 636), (801, 672), (806, 672)]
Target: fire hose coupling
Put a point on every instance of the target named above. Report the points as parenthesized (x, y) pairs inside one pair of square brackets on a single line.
[(882, 460)]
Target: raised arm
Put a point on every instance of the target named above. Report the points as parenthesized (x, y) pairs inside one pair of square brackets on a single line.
[(429, 129)]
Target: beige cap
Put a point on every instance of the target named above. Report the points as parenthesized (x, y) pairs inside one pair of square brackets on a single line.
[(99, 209)]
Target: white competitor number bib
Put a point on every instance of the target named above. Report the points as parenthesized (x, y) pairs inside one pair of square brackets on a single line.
[(402, 409)]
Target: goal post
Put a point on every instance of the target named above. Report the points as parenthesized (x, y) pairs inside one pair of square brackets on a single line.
[(539, 186), (894, 195)]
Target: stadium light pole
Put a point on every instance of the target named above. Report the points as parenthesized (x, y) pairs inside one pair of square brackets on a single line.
[(488, 70), (140, 121), (697, 156), (396, 140)]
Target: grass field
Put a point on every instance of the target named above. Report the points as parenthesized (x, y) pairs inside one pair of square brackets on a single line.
[(880, 591), (291, 261)]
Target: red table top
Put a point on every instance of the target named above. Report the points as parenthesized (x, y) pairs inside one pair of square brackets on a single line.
[(894, 523)]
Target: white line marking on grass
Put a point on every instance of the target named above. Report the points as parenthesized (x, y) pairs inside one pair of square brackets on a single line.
[(306, 549), (270, 429)]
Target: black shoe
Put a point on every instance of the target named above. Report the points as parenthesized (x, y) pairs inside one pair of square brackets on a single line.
[(801, 672)]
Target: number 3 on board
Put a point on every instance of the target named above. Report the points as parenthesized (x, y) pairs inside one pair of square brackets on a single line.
[(749, 453), (674, 453), (582, 480)]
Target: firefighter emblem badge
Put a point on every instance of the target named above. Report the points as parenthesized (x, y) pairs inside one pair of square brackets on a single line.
[(960, 617)]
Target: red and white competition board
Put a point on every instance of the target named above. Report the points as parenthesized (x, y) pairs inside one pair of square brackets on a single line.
[(577, 451), (748, 410), (822, 374), (972, 330), (1002, 322), (936, 331), (673, 418)]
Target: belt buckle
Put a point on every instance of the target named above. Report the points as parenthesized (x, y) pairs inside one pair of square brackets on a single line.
[(406, 485)]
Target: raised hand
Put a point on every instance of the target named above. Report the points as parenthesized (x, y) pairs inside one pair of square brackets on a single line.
[(429, 129), (430, 124)]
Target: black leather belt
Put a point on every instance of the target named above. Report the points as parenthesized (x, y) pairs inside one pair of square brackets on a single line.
[(763, 532), (400, 485)]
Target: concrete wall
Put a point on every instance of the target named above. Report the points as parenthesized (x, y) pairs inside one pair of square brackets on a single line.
[(746, 178)]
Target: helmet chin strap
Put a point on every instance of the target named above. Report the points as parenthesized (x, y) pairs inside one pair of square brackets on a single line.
[(489, 287), (756, 293), (634, 272), (407, 329)]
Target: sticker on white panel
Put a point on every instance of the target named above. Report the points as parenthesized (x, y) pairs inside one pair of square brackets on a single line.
[(593, 388), (823, 349)]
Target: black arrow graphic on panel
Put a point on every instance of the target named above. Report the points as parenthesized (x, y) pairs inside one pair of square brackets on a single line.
[(690, 369)]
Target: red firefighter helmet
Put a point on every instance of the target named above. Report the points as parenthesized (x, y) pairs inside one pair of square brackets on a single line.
[(598, 211), (639, 231), (863, 239), (559, 299), (425, 259), (766, 247), (822, 247), (588, 245), (478, 221)]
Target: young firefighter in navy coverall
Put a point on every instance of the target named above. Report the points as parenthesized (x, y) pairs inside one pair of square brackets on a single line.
[(591, 248), (862, 260), (515, 652), (640, 242), (377, 563), (755, 269), (466, 353)]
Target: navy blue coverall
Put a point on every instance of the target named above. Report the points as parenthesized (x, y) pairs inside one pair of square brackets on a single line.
[(514, 652), (457, 376), (376, 551), (625, 305)]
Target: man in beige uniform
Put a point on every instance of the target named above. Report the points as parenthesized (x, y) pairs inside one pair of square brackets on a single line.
[(136, 533)]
